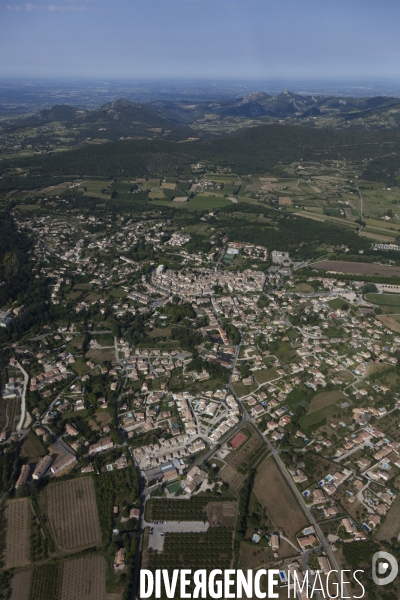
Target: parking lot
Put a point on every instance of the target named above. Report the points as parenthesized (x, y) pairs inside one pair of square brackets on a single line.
[(156, 538)]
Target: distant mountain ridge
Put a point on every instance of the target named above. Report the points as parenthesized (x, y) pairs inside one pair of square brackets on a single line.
[(67, 126)]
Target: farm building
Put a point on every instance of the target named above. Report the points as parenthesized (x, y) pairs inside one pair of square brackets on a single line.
[(23, 476), (42, 467), (238, 440), (67, 460)]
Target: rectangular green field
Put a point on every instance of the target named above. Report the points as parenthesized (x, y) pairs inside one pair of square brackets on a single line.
[(384, 299), (208, 202)]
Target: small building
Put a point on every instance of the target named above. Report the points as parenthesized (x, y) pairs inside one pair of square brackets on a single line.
[(275, 542), (119, 557), (324, 564), (70, 429), (23, 476), (102, 444), (88, 469), (307, 540), (347, 525), (134, 513)]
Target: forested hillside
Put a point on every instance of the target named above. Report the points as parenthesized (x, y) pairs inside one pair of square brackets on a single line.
[(257, 150)]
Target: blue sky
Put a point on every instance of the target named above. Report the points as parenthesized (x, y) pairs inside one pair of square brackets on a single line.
[(200, 38)]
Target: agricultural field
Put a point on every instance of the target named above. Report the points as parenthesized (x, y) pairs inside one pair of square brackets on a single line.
[(83, 579), (176, 510), (208, 202), (384, 299), (20, 585), (390, 424), (45, 582), (195, 550), (231, 477), (357, 268), (72, 511), (389, 322), (277, 498), (221, 514), (391, 527), (16, 552)]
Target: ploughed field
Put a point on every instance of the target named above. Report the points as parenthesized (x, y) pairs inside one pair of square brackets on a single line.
[(16, 550), (358, 268), (72, 512)]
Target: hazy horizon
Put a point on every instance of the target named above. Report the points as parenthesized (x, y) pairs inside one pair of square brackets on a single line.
[(200, 39)]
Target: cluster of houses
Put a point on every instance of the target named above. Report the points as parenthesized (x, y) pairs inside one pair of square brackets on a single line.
[(190, 283)]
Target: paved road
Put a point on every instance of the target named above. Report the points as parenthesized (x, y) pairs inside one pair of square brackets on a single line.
[(121, 363), (325, 546), (23, 398), (178, 526)]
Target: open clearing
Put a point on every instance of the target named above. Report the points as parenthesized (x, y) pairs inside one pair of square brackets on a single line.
[(84, 579), (232, 478), (264, 375), (32, 448), (275, 495), (317, 416), (17, 533), (357, 268), (72, 512), (391, 527), (20, 585), (325, 399), (221, 514), (390, 323), (99, 355)]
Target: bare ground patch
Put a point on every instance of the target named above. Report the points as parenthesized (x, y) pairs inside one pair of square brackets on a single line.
[(342, 266), (391, 526), (222, 514), (325, 399), (275, 495), (232, 478), (390, 323)]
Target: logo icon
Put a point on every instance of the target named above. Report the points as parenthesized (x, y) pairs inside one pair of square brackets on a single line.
[(381, 561)]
